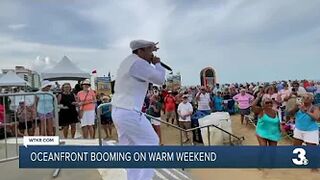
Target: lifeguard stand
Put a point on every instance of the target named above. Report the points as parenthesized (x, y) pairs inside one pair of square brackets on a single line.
[(208, 77)]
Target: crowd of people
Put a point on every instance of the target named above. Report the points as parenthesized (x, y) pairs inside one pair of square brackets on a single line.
[(140, 103), (277, 107), (35, 114)]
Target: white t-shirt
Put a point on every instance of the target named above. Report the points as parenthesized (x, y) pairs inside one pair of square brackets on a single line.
[(185, 108), (318, 89), (203, 103), (301, 91), (284, 93)]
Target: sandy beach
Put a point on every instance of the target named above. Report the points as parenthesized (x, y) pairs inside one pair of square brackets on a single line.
[(170, 136), (251, 174)]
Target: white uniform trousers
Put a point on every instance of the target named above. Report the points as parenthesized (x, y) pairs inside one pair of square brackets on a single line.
[(134, 128)]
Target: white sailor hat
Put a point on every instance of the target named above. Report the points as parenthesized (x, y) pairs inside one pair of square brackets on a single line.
[(137, 44)]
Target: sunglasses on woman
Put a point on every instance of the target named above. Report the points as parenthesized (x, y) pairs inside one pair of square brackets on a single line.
[(268, 102)]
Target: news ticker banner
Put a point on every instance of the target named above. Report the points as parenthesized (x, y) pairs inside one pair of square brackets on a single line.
[(169, 157)]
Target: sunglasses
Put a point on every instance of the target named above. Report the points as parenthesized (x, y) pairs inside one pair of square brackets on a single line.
[(268, 102)]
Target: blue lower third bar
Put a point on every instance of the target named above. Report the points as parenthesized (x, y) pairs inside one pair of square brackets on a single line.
[(169, 157)]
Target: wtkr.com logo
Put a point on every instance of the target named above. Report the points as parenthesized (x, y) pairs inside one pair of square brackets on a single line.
[(302, 159)]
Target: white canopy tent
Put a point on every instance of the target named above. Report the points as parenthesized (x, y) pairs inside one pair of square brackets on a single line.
[(12, 79), (65, 70)]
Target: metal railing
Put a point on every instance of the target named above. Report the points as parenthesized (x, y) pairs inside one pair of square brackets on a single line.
[(8, 122), (56, 125), (181, 130), (239, 139)]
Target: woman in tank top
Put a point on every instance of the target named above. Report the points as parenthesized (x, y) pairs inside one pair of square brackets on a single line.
[(268, 128), (306, 117), (87, 103)]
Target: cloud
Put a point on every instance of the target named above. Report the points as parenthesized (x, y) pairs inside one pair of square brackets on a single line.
[(16, 26), (41, 64), (40, 57), (243, 40)]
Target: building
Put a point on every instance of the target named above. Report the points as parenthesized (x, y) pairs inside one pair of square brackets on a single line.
[(24, 73), (173, 82), (32, 77), (36, 80), (208, 77), (103, 84)]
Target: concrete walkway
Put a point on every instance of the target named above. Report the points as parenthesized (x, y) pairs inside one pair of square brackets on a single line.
[(11, 171)]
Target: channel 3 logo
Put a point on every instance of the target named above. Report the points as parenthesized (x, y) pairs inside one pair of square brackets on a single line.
[(302, 159)]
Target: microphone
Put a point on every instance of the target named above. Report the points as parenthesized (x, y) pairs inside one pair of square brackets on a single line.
[(166, 66), (155, 48)]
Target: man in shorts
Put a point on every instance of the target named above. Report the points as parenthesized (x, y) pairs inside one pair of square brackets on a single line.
[(170, 107)]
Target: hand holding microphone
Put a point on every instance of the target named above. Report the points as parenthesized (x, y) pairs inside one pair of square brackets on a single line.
[(156, 59)]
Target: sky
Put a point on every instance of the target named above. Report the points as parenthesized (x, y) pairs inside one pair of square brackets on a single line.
[(243, 40)]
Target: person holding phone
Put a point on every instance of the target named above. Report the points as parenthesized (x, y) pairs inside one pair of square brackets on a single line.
[(274, 96), (204, 101), (306, 117), (291, 101), (155, 111), (299, 90)]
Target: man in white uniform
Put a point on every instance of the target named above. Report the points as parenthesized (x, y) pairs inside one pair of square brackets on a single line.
[(133, 77)]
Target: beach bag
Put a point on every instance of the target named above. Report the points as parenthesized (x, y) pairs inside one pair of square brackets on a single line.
[(81, 111)]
